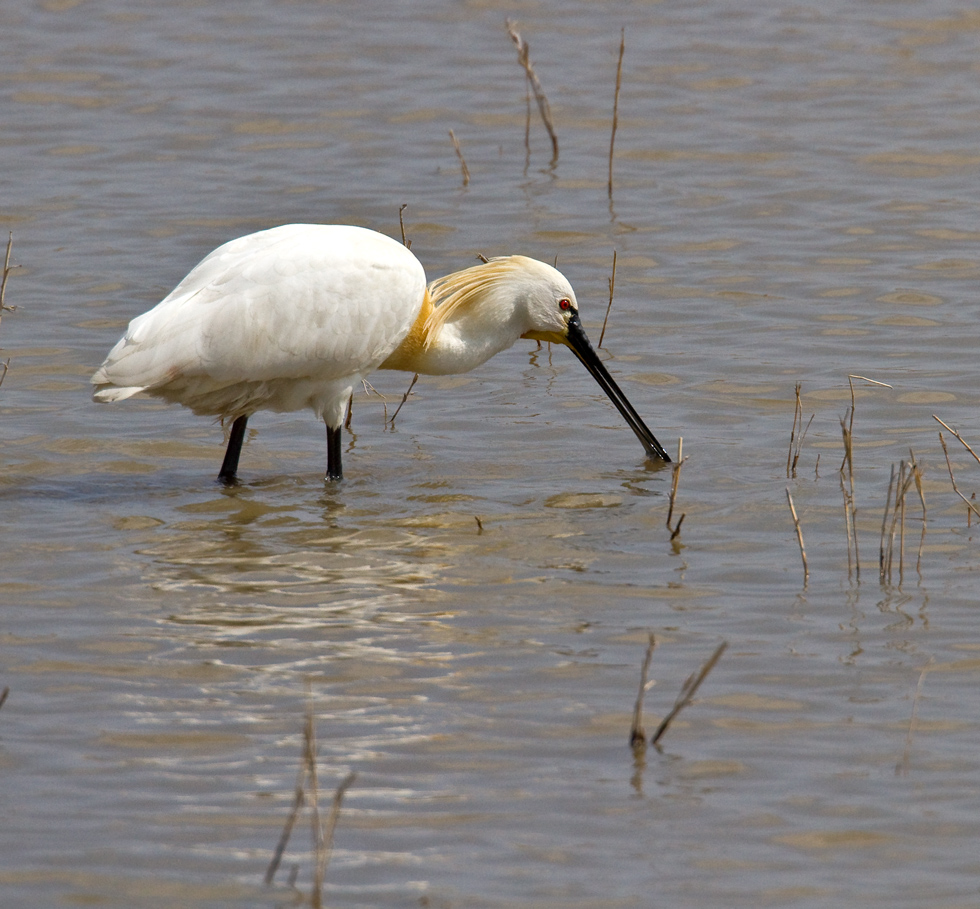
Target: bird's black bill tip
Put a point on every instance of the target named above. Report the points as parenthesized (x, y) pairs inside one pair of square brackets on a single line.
[(579, 342)]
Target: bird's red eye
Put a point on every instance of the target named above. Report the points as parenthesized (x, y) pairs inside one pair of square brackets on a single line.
[(564, 304)]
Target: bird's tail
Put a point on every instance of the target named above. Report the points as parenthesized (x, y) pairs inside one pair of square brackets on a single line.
[(106, 394)]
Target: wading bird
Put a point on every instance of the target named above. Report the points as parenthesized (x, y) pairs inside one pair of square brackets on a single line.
[(296, 316)]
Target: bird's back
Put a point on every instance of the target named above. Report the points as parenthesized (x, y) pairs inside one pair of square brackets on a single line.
[(267, 317)]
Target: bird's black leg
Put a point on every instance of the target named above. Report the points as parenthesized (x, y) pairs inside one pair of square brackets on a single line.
[(334, 470), (229, 467)]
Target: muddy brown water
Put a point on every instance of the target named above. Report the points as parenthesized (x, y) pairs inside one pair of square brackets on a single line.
[(795, 200)]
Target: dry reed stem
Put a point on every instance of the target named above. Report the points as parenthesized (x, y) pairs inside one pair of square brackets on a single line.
[(612, 288), (847, 527), (7, 269), (479, 524), (674, 480), (326, 839), (3, 695), (638, 738), (917, 476), (902, 768), (959, 438), (793, 455), (316, 830), (462, 160), (904, 482), (350, 411), (850, 508), (299, 796), (688, 691), (615, 119), (415, 379), (524, 58), (949, 467), (797, 417), (799, 537), (401, 223), (369, 389), (884, 524)]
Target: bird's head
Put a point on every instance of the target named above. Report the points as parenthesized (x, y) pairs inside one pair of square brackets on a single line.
[(547, 299)]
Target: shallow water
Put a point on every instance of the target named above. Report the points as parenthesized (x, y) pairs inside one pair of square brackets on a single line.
[(795, 190)]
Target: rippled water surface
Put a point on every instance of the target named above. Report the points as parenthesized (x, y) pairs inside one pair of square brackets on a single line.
[(796, 189)]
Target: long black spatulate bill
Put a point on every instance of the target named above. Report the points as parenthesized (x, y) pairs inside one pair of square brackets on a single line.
[(579, 342)]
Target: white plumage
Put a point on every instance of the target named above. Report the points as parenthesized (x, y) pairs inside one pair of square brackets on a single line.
[(294, 317)]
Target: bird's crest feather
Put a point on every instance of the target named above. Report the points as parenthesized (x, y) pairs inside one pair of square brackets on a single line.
[(463, 290)]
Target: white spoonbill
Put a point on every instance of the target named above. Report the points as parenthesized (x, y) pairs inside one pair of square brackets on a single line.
[(296, 316)]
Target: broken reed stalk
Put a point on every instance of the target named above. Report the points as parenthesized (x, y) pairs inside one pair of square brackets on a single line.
[(299, 797), (902, 482), (326, 838), (612, 288), (799, 537), (902, 768), (850, 508), (3, 695), (615, 119), (949, 467), (797, 417), (688, 691), (462, 160), (884, 524), (524, 58), (322, 834), (7, 269), (415, 379), (401, 223), (674, 480), (917, 477), (638, 737), (959, 438), (793, 455)]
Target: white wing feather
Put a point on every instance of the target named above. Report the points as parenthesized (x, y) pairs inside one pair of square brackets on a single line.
[(300, 305)]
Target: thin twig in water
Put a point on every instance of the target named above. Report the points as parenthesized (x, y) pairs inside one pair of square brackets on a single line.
[(315, 828), (793, 455), (884, 524), (7, 269), (612, 288), (850, 503), (299, 796), (949, 467), (415, 379), (799, 537), (688, 691), (462, 160), (917, 476), (903, 481), (615, 119), (326, 839), (797, 417), (902, 768), (370, 389), (401, 223), (959, 438), (524, 58), (637, 735), (479, 524), (674, 480), (3, 695)]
